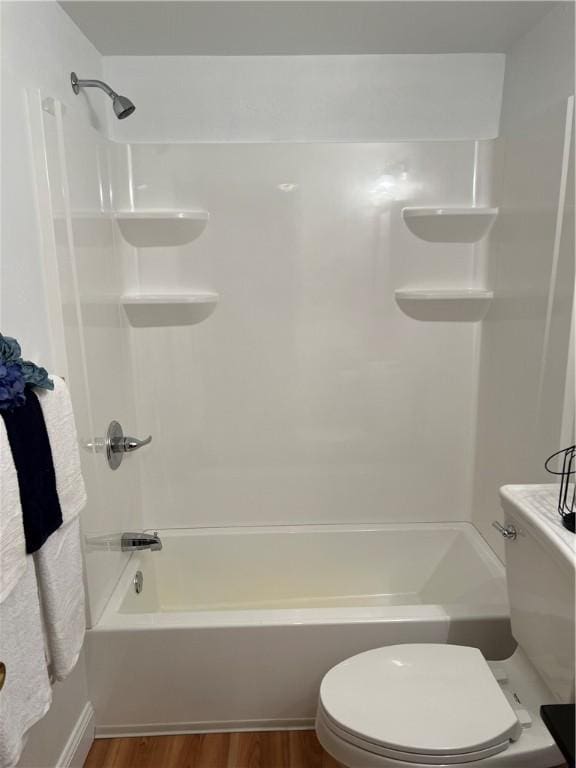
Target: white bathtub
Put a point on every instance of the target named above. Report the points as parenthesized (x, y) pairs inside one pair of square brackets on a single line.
[(235, 628)]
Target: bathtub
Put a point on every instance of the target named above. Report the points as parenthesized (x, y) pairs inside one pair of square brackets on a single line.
[(235, 627)]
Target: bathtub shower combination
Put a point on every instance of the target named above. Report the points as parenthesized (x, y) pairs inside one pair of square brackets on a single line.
[(237, 626), (331, 277)]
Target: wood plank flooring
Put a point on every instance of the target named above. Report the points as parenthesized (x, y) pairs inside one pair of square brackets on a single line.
[(262, 749)]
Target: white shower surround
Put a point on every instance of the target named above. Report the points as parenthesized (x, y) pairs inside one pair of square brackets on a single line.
[(307, 244), (308, 396), (406, 97)]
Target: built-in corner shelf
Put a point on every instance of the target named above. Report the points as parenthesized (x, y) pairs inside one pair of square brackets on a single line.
[(467, 305), (157, 228), (449, 225), (161, 310)]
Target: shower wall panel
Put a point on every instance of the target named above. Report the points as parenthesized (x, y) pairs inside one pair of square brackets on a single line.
[(530, 260), (97, 361), (308, 397), (309, 98), (526, 333)]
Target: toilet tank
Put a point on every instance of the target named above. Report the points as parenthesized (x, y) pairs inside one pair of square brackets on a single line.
[(541, 570)]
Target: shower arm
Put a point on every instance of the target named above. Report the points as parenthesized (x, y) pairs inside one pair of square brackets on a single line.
[(122, 105), (77, 84)]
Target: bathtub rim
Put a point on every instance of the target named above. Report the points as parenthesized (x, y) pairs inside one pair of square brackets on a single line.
[(113, 619)]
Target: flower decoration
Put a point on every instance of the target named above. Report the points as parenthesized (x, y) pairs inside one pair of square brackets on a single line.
[(10, 351), (16, 374), (12, 386), (36, 376)]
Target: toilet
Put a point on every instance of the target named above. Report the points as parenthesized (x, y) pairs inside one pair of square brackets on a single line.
[(416, 705)]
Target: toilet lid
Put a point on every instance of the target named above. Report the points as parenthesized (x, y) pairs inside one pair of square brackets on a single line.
[(424, 699)]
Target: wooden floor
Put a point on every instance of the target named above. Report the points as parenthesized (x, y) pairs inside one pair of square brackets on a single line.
[(265, 749)]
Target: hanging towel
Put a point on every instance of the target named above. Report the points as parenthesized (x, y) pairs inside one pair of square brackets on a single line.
[(32, 455), (59, 418), (12, 544), (60, 578), (59, 561), (26, 695)]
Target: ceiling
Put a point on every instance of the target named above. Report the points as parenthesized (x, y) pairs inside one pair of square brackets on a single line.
[(133, 27)]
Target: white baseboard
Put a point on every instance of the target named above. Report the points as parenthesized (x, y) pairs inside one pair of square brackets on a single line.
[(78, 745), (173, 729)]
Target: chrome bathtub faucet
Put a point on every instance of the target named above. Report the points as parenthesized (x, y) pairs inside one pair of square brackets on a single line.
[(131, 542)]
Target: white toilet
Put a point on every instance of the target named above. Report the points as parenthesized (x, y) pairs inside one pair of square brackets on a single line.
[(409, 706)]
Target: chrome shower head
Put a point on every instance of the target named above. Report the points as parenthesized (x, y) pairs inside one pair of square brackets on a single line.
[(122, 105)]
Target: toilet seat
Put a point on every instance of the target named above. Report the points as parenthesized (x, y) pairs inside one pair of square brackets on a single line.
[(378, 751), (427, 704)]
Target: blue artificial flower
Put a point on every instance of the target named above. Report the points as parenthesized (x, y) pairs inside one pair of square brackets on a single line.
[(12, 385), (10, 350), (16, 373), (35, 375)]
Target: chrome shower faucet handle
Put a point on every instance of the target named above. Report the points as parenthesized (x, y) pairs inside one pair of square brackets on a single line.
[(116, 444), (128, 444)]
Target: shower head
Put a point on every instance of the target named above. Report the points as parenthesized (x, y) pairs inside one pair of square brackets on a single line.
[(122, 105)]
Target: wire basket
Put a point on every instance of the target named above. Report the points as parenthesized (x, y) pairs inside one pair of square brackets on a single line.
[(566, 470)]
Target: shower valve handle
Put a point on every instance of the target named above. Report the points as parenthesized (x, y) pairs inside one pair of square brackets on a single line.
[(117, 444), (128, 444)]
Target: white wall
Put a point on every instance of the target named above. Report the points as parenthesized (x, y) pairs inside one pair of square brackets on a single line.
[(54, 734), (308, 98), (40, 45), (531, 268)]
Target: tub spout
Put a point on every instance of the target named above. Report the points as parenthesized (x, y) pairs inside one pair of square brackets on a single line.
[(138, 541)]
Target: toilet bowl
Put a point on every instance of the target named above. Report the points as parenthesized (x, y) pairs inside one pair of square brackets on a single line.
[(411, 706)]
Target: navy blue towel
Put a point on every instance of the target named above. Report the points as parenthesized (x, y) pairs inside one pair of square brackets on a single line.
[(30, 446)]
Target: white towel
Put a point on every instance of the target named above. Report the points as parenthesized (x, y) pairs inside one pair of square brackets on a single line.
[(26, 695), (12, 543), (59, 418), (59, 561), (60, 579)]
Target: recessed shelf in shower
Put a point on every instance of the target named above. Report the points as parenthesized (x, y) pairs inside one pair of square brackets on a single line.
[(464, 305), (161, 228), (162, 310), (449, 225)]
